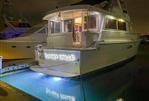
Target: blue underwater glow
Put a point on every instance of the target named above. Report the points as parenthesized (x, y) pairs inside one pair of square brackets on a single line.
[(96, 87), (44, 87)]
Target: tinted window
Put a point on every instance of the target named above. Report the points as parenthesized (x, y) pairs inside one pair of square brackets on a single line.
[(68, 25), (121, 25), (110, 24), (55, 27), (91, 19)]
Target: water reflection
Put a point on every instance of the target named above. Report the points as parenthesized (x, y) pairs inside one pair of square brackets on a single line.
[(109, 85), (102, 86), (59, 96)]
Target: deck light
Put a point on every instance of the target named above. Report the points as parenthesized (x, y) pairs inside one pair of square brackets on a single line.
[(110, 17), (121, 20), (78, 20)]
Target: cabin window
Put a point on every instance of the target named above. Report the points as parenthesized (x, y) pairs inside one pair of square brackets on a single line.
[(78, 24), (111, 24), (68, 25), (91, 19), (55, 27), (121, 25)]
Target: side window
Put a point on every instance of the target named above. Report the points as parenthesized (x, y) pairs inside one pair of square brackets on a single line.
[(110, 24), (121, 25), (55, 27), (91, 19), (68, 25), (85, 22)]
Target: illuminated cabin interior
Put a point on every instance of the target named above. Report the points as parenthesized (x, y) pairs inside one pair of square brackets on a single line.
[(72, 24)]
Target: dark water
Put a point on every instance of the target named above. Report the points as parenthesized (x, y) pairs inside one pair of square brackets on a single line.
[(139, 89), (128, 82)]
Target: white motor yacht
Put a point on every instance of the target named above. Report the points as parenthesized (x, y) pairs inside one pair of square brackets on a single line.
[(83, 39)]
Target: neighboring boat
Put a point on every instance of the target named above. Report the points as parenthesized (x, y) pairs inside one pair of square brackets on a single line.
[(22, 47), (12, 24), (84, 38), (17, 38), (13, 29)]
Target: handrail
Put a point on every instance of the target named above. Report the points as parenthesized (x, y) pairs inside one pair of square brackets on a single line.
[(14, 68)]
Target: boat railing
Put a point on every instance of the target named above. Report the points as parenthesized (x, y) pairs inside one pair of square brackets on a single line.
[(14, 68)]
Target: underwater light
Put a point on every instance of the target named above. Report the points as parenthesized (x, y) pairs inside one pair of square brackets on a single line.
[(57, 78), (41, 74)]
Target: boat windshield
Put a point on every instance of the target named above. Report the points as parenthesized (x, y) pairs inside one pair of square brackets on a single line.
[(74, 20)]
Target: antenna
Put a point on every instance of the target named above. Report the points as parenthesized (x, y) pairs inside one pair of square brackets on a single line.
[(122, 5)]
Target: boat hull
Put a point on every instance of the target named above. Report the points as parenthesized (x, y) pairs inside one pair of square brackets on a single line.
[(87, 60), (17, 50)]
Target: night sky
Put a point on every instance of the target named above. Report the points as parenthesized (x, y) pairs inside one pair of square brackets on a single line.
[(33, 10), (139, 13)]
